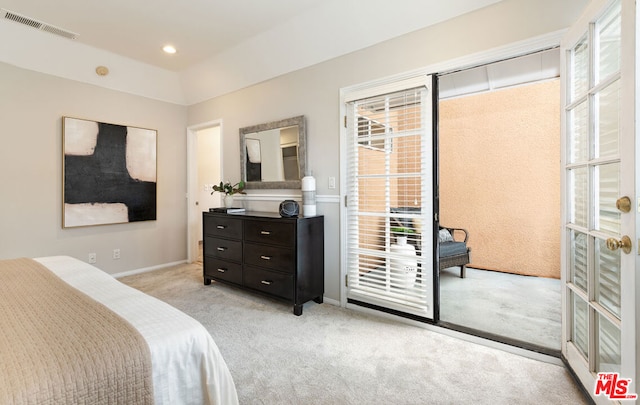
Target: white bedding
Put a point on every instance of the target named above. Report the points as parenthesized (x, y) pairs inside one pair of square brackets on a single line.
[(187, 365)]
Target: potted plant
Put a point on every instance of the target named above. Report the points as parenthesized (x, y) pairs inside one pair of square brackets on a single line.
[(401, 233), (229, 190)]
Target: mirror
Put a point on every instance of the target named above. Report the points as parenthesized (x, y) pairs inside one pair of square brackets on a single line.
[(274, 155)]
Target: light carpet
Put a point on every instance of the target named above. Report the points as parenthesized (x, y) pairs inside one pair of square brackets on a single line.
[(332, 355)]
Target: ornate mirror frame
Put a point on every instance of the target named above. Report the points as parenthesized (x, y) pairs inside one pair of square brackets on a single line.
[(302, 153)]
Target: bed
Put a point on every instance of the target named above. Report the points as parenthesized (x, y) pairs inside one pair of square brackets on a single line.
[(54, 351)]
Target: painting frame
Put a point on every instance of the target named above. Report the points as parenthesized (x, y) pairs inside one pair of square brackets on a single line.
[(109, 173)]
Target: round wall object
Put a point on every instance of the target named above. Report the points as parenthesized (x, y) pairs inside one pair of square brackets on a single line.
[(102, 70)]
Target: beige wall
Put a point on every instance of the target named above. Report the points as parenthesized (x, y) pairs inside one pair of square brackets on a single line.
[(500, 176), (31, 108)]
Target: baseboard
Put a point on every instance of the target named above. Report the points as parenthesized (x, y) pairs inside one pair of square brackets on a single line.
[(331, 301), (147, 269)]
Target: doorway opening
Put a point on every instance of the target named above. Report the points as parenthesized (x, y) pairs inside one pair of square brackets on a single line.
[(499, 179), (204, 170)]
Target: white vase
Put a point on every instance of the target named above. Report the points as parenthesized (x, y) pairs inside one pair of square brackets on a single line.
[(404, 266), (228, 200), (308, 196)]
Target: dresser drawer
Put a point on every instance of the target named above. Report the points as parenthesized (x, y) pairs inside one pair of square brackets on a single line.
[(223, 270), (272, 282), (223, 226), (274, 233), (223, 248), (272, 257)]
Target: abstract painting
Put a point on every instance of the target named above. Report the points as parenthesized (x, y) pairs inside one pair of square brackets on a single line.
[(109, 173)]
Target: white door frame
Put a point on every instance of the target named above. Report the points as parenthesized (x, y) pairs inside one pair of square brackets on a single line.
[(193, 210)]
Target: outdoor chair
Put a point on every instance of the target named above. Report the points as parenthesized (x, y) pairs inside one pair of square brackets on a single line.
[(454, 252), (453, 249)]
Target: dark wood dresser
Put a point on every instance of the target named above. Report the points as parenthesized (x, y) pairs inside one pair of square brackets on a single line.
[(263, 252)]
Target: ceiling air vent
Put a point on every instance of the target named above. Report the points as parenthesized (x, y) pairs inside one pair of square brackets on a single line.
[(33, 23)]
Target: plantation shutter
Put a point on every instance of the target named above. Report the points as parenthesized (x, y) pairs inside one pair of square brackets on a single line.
[(389, 204)]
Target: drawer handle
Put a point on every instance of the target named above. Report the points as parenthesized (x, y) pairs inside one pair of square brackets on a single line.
[(265, 257), (221, 249), (220, 226), (266, 282), (265, 233), (222, 270)]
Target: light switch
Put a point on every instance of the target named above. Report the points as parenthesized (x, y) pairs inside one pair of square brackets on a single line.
[(332, 182)]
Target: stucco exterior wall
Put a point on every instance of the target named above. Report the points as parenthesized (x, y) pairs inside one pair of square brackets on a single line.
[(500, 176)]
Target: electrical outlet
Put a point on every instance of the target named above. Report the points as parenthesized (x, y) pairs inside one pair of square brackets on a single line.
[(116, 253), (92, 257)]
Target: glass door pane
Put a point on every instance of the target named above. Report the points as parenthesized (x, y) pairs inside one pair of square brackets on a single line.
[(579, 259), (608, 101), (608, 278), (580, 69), (579, 181), (609, 357), (608, 43), (607, 178), (579, 134), (580, 325)]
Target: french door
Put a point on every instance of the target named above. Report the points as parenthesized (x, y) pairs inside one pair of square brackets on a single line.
[(390, 214), (600, 204)]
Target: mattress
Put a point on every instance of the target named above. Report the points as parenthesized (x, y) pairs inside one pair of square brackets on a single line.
[(187, 367)]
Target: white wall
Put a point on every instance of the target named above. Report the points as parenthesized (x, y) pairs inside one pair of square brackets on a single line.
[(31, 107), (314, 92)]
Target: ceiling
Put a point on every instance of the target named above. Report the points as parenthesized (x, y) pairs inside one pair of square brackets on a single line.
[(208, 32), (139, 29)]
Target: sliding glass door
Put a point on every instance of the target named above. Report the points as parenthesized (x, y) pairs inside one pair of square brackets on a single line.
[(390, 214)]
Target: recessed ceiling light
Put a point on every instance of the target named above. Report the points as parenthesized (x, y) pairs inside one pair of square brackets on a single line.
[(169, 49)]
